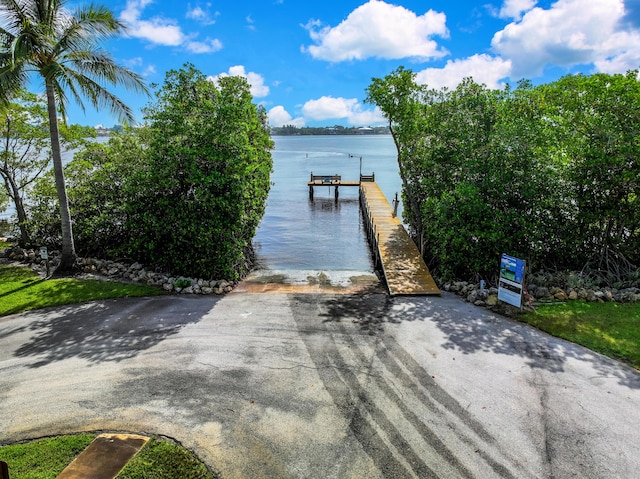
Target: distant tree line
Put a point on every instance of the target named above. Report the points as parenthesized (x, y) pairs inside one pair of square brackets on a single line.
[(547, 173), (292, 130)]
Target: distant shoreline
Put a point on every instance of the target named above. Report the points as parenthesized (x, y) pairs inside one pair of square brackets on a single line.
[(290, 130)]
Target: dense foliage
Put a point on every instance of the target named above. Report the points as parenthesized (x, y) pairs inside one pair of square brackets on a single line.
[(547, 173), (185, 193), (204, 193)]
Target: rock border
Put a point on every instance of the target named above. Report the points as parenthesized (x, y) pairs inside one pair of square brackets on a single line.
[(124, 271), (534, 294)]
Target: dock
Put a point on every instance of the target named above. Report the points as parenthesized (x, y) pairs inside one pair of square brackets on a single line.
[(336, 182), (394, 251)]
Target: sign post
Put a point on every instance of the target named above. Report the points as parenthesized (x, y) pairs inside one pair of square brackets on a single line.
[(44, 254), (511, 281)]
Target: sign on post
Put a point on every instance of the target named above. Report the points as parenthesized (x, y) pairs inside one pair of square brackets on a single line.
[(511, 280)]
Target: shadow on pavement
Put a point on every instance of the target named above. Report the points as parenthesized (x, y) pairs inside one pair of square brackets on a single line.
[(110, 330), (470, 329)]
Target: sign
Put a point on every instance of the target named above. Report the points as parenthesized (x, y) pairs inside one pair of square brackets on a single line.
[(511, 280), (44, 254)]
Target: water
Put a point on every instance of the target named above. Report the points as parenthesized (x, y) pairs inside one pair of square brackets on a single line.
[(300, 238)]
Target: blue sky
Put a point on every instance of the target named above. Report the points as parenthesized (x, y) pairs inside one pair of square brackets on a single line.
[(309, 63)]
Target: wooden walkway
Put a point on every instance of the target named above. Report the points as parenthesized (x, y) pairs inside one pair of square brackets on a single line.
[(403, 267)]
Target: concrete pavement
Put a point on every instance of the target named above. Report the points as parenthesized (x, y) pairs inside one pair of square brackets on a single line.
[(324, 386)]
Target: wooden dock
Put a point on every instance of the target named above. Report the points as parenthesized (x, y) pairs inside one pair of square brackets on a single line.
[(336, 182), (394, 251)]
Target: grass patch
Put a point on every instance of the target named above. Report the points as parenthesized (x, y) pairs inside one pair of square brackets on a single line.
[(165, 460), (46, 458), (21, 289), (43, 458), (612, 329)]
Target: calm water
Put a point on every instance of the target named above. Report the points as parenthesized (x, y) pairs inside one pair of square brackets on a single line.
[(299, 237)]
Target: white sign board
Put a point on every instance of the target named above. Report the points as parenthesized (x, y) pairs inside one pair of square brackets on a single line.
[(511, 280)]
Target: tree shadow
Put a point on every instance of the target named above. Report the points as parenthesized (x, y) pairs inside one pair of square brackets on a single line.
[(111, 330), (470, 329)]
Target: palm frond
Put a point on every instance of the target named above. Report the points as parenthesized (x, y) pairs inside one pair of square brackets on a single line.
[(98, 95), (12, 79), (100, 66)]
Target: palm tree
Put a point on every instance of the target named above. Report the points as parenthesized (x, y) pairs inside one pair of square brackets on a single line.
[(44, 37)]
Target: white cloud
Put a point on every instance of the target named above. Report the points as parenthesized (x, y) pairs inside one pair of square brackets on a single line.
[(515, 8), (569, 33), (378, 29), (208, 46), (278, 116), (201, 15), (162, 31), (483, 68), (138, 63), (255, 80), (330, 108)]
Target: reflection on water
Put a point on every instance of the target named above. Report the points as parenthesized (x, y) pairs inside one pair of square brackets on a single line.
[(304, 237)]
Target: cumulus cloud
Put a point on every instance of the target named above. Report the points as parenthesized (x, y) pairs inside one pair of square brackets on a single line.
[(515, 8), (330, 108), (255, 80), (201, 15), (569, 33), (378, 29), (162, 31), (208, 46), (278, 116), (483, 68)]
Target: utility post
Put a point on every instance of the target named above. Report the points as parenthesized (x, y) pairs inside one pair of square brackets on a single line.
[(354, 156)]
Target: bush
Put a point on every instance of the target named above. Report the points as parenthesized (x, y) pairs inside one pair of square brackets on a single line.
[(547, 173)]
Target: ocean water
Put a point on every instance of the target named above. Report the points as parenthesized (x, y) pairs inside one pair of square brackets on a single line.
[(299, 237)]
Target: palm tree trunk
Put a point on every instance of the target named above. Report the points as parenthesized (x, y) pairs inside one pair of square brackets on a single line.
[(68, 258)]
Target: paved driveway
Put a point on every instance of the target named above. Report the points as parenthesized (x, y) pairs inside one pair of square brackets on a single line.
[(324, 386)]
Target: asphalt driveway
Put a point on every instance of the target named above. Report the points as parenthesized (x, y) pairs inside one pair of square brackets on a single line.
[(324, 386)]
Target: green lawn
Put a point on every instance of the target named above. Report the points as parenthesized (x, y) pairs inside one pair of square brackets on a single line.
[(43, 458), (21, 289), (611, 329), (46, 458)]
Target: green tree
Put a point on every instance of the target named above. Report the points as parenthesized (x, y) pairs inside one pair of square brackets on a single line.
[(596, 120), (42, 36), (203, 191), (402, 102), (24, 154)]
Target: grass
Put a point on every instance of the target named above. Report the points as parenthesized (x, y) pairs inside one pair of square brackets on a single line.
[(46, 458), (43, 458), (21, 289), (165, 460), (612, 329)]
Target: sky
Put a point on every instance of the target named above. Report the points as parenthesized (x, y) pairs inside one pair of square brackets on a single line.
[(309, 62)]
